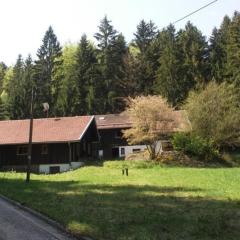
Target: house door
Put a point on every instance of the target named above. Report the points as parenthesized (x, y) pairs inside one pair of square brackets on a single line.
[(115, 152)]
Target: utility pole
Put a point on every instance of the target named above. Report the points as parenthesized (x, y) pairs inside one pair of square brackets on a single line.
[(30, 140)]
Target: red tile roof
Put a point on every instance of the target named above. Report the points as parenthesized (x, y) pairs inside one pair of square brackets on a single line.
[(180, 122), (46, 130), (110, 121)]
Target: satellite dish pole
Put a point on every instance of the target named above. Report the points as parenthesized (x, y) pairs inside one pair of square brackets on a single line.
[(46, 108), (30, 139)]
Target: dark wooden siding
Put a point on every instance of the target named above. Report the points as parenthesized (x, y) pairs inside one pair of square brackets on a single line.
[(57, 153), (109, 138)]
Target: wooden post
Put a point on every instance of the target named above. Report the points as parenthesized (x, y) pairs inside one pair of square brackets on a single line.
[(30, 141)]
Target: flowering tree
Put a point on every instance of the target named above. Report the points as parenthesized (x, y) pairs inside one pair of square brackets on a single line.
[(149, 115)]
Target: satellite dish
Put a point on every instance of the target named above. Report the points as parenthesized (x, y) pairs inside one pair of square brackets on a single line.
[(45, 107)]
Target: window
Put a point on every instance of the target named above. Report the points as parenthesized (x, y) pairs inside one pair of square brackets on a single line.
[(118, 134), (136, 150), (54, 169), (22, 150), (122, 151), (44, 149)]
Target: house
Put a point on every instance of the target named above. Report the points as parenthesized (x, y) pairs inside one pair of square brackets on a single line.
[(113, 145), (59, 144)]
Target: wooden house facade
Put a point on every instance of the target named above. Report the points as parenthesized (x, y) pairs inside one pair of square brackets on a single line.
[(113, 145), (59, 144)]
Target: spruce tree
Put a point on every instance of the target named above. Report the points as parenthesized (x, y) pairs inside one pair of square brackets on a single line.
[(146, 32), (49, 60), (27, 85), (218, 50), (194, 57), (168, 81), (232, 67), (88, 79), (128, 84), (68, 97), (19, 89), (111, 51), (14, 90), (146, 68), (4, 114), (3, 69)]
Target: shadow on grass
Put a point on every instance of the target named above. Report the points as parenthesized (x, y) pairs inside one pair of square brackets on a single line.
[(129, 211)]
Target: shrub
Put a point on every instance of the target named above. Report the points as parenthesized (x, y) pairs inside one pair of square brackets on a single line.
[(194, 145), (132, 164), (214, 113)]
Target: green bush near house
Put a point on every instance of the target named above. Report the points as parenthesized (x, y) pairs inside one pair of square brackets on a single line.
[(131, 164), (196, 146)]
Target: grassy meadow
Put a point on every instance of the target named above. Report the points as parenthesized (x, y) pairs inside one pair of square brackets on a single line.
[(152, 203)]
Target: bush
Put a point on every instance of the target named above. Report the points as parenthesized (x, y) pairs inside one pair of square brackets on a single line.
[(194, 145), (131, 164), (214, 114)]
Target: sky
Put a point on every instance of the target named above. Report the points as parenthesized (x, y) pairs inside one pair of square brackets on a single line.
[(24, 22)]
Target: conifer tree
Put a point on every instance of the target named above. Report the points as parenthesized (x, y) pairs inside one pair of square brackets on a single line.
[(146, 68), (49, 59), (232, 67), (194, 58), (146, 32), (3, 69), (68, 97), (19, 89), (112, 48), (14, 90), (168, 74), (27, 85), (128, 84), (4, 114), (88, 79), (218, 50)]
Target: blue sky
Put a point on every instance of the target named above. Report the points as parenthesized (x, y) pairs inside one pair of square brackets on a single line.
[(24, 22)]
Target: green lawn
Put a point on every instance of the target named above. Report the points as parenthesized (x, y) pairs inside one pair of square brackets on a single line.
[(154, 203)]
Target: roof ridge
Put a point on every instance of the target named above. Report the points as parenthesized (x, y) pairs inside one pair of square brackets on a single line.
[(50, 118)]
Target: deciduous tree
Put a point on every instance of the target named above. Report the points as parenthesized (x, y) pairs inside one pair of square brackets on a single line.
[(215, 113), (148, 115)]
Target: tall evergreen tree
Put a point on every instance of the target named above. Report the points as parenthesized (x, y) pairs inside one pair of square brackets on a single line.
[(86, 74), (3, 69), (112, 48), (68, 97), (4, 114), (194, 56), (14, 90), (19, 89), (84, 60), (27, 84), (146, 32), (47, 84), (232, 67), (168, 74), (146, 68), (218, 50), (128, 84)]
